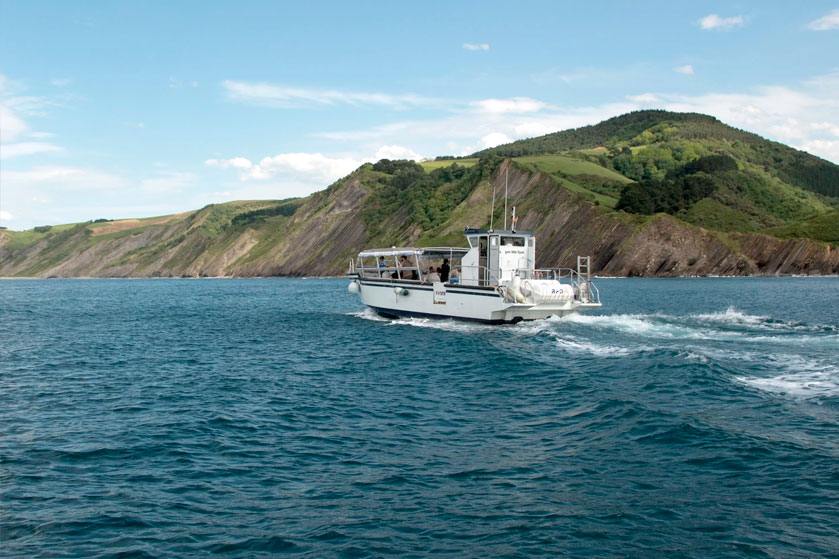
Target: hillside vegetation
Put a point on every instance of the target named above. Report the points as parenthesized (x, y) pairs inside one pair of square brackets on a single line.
[(705, 173), (648, 193)]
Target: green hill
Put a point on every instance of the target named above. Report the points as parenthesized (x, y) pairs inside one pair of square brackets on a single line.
[(767, 185)]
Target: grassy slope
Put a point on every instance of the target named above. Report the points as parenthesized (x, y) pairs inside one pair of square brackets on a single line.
[(824, 227), (594, 182), (431, 165)]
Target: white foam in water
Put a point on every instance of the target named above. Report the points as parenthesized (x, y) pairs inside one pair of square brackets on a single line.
[(584, 346), (652, 326), (803, 377), (690, 356), (449, 325), (368, 314), (706, 354), (733, 316), (661, 326), (574, 343), (737, 318)]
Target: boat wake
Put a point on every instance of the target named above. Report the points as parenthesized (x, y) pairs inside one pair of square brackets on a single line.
[(368, 314), (756, 351), (448, 325), (730, 325)]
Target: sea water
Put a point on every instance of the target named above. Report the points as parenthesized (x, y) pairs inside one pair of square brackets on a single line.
[(256, 418)]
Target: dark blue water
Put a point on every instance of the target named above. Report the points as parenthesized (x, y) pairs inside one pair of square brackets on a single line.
[(256, 418)]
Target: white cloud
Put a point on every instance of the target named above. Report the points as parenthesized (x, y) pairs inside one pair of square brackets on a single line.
[(644, 98), (236, 163), (476, 46), (715, 22), (299, 174), (686, 69), (827, 22), (6, 216), (462, 131), (513, 105), (59, 177), (823, 148), (314, 168), (64, 194), (494, 139), (13, 126), (805, 115), (826, 126), (396, 152), (280, 96), (8, 151)]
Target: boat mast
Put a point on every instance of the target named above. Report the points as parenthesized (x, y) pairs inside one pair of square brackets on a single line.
[(492, 211), (506, 174)]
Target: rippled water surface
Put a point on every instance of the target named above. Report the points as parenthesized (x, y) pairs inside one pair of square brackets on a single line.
[(257, 418)]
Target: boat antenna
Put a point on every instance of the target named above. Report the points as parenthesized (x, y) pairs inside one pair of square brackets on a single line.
[(506, 174), (492, 211)]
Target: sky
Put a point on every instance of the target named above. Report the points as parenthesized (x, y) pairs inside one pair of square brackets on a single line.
[(136, 109)]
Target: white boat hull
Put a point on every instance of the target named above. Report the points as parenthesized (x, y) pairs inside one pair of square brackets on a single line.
[(483, 304)]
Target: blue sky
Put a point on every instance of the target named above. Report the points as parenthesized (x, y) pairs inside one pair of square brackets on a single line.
[(136, 109)]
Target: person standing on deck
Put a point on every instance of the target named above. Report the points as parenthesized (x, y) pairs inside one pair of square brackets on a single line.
[(444, 270), (403, 265)]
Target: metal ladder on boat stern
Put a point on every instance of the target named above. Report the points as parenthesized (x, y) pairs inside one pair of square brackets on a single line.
[(584, 278)]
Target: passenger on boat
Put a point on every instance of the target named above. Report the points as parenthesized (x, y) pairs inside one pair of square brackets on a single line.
[(382, 264), (444, 271), (403, 263), (454, 278), (432, 276)]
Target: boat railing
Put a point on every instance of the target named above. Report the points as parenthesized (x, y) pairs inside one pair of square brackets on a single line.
[(545, 273), (486, 277), (385, 272)]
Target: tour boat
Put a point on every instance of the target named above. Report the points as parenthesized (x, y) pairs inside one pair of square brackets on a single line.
[(494, 280)]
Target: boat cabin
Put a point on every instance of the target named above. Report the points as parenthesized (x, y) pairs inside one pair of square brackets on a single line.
[(492, 258), (495, 256)]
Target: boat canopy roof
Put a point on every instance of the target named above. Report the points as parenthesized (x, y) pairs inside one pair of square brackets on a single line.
[(429, 252), (469, 231)]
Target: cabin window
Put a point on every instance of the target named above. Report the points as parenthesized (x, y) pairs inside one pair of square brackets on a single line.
[(473, 241), (512, 241), (493, 241)]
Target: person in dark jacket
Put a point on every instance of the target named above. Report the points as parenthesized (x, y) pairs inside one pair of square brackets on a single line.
[(444, 270)]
